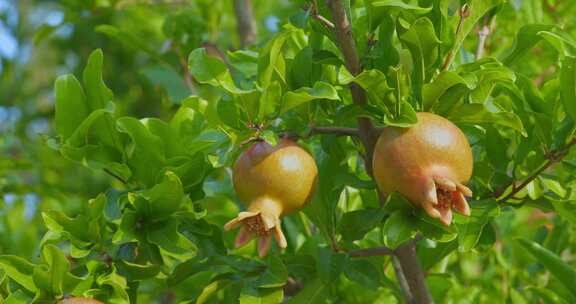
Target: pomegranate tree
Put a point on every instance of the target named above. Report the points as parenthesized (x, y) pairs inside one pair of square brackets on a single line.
[(271, 182), (428, 163)]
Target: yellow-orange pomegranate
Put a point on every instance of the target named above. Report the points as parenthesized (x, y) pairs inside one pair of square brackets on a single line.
[(428, 163), (271, 182)]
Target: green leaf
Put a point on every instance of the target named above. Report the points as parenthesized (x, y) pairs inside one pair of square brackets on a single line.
[(210, 289), (477, 10), (487, 80), (71, 108), (19, 270), (399, 228), (373, 81), (431, 253), (253, 295), (166, 197), (168, 135), (563, 271), (330, 265), (147, 157), (137, 272), (52, 278), (271, 61), (117, 284), (526, 38), (304, 72), (355, 224), (321, 90), (479, 114), (433, 92), (270, 100), (275, 274), (205, 68), (169, 80), (421, 40), (470, 228), (406, 119), (568, 85), (562, 42), (363, 272), (399, 4), (314, 292), (440, 284), (73, 228), (129, 39), (97, 93)]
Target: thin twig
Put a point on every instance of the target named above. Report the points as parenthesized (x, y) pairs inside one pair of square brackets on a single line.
[(317, 16), (187, 75), (482, 36), (464, 12), (341, 131), (553, 158)]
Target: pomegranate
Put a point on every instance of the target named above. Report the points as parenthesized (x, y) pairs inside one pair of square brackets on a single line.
[(271, 182), (428, 164)]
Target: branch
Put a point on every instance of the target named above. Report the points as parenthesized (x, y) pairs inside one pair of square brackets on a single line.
[(464, 12), (553, 158), (317, 16), (368, 135), (413, 272), (347, 46), (187, 75), (402, 280), (341, 131), (482, 36), (246, 23)]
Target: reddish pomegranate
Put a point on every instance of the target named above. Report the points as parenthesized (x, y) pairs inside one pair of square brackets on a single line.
[(271, 182), (428, 164)]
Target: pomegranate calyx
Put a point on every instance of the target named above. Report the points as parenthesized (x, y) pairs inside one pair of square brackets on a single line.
[(262, 221), (445, 196)]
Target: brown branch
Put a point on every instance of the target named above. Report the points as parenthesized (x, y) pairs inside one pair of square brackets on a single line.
[(246, 23), (317, 16), (464, 12), (402, 280), (368, 135), (340, 131), (413, 272), (347, 45), (553, 158), (187, 75), (369, 252)]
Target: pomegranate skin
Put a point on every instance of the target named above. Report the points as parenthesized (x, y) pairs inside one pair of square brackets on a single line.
[(271, 182), (427, 163)]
